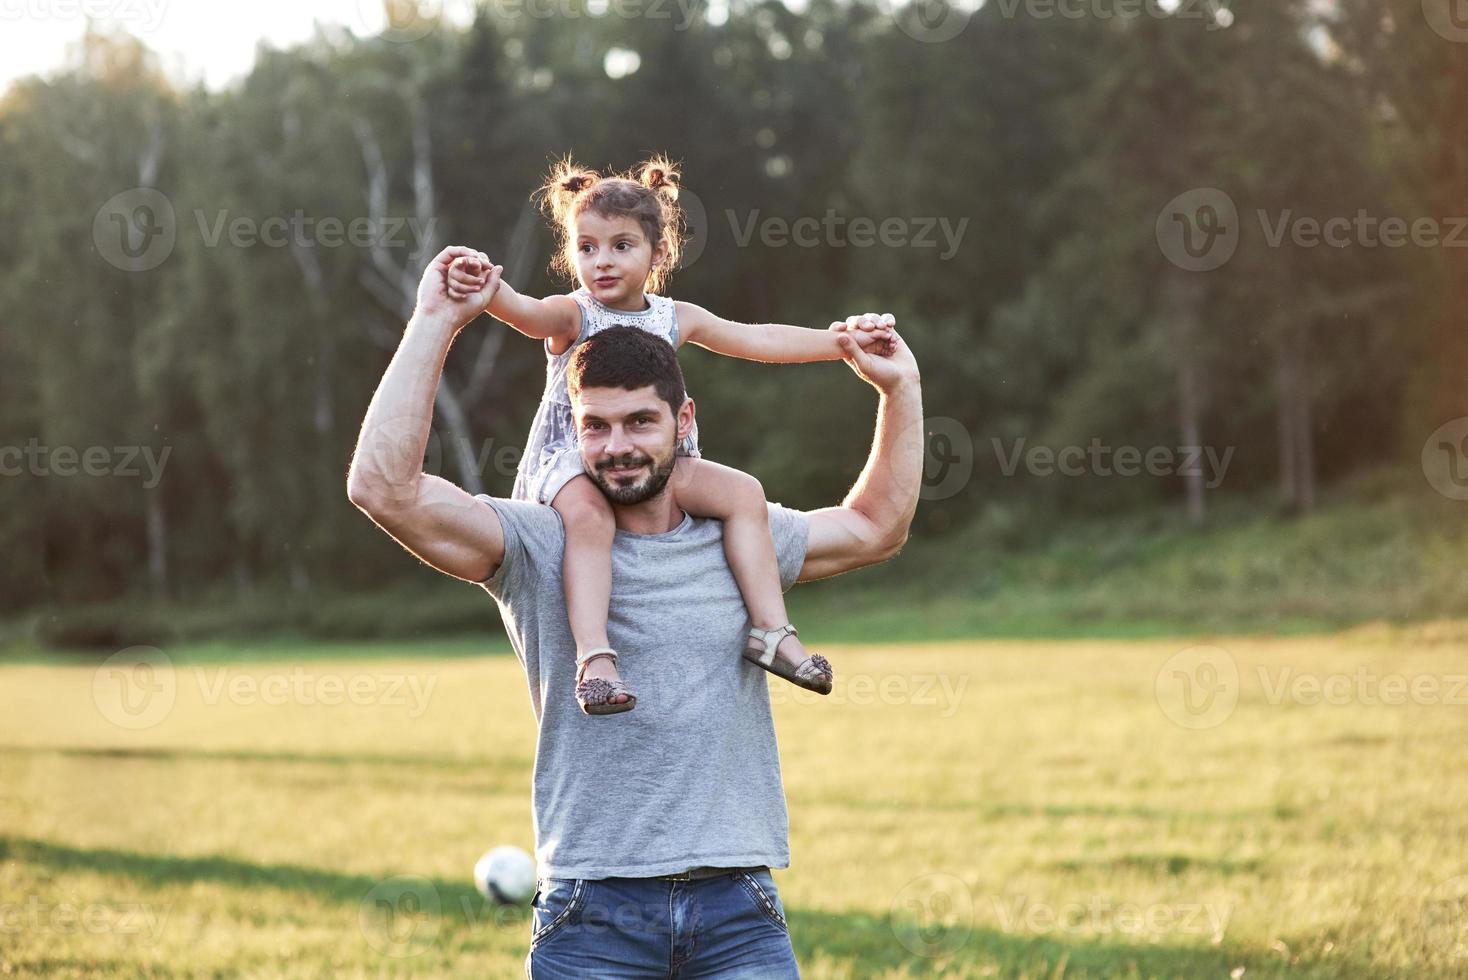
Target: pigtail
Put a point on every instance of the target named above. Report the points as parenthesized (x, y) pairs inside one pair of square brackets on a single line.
[(661, 175), (566, 181)]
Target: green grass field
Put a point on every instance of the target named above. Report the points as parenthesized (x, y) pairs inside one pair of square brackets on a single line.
[(1015, 809)]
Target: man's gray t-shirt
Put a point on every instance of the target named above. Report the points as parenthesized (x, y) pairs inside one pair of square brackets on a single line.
[(691, 775)]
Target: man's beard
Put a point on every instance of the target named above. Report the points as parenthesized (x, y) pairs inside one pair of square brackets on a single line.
[(635, 493)]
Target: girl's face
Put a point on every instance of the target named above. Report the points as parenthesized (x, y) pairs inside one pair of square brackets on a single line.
[(613, 259)]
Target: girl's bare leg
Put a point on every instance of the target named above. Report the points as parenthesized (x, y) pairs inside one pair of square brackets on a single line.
[(708, 489), (586, 571)]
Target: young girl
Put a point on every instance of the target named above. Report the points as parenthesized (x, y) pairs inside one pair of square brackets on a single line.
[(621, 236)]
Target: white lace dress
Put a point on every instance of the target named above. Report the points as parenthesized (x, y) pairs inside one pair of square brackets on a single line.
[(552, 456)]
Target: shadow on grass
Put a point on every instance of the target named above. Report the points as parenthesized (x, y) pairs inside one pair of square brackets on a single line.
[(1159, 865), (873, 943), (91, 966), (1130, 811), (877, 944), (453, 901), (168, 869), (459, 764), (985, 810), (268, 647)]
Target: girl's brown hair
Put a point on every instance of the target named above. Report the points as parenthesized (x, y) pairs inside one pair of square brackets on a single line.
[(647, 194)]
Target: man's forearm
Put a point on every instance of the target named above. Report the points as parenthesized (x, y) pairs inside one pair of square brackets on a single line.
[(388, 461), (886, 493)]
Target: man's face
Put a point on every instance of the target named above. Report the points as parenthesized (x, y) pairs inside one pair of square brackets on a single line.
[(628, 440)]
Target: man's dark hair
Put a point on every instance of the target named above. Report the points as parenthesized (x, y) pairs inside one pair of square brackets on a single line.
[(629, 358)]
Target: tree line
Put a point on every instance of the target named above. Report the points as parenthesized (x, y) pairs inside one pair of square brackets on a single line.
[(1106, 235)]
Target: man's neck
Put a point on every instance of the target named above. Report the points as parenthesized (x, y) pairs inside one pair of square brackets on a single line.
[(658, 515)]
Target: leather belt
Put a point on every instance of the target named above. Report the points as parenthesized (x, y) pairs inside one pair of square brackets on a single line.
[(697, 874)]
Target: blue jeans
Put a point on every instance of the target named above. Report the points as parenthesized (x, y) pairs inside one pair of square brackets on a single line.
[(731, 927)]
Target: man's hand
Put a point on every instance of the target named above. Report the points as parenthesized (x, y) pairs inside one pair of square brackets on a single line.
[(885, 372), (872, 522), (872, 332), (441, 296), (469, 274)]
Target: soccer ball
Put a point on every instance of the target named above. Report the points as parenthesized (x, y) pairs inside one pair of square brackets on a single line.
[(505, 874)]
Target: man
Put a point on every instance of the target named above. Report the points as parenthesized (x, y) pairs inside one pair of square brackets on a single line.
[(655, 835)]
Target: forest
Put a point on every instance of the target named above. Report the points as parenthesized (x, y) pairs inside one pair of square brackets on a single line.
[(1215, 251)]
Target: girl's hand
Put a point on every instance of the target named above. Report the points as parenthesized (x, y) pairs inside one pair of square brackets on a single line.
[(435, 298), (468, 274), (873, 333), (878, 343)]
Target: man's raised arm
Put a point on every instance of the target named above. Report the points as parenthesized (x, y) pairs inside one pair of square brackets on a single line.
[(871, 525), (431, 517)]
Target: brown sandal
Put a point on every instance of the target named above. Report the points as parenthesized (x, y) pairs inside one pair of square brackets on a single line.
[(595, 696), (814, 673)]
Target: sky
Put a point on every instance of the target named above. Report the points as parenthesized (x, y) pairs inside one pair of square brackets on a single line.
[(214, 42), (197, 40)]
